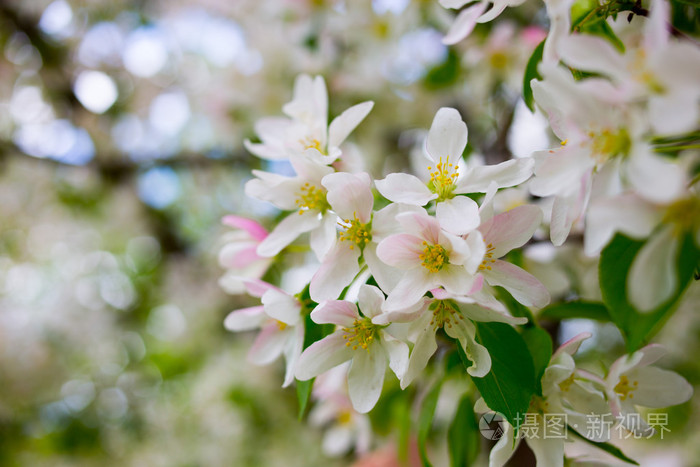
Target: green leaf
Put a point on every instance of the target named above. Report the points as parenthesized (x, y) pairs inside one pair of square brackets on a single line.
[(607, 447), (425, 420), (312, 332), (539, 343), (510, 384), (303, 395), (576, 309), (463, 434), (444, 74), (530, 74), (615, 262)]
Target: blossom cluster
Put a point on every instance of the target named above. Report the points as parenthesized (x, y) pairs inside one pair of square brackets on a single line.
[(405, 262)]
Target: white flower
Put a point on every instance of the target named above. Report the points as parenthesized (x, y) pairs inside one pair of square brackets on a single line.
[(566, 397), (430, 258), (660, 70), (454, 314), (367, 345), (632, 381), (350, 196), (602, 144), (307, 129), (652, 277), (306, 196), (445, 144), (280, 323)]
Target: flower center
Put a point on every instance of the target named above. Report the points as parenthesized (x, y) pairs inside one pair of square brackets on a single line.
[(311, 197), (640, 71), (566, 384), (684, 214), (538, 405), (487, 258), (625, 389), (444, 314), (355, 232), (361, 334), (442, 180), (434, 257), (311, 143), (607, 144)]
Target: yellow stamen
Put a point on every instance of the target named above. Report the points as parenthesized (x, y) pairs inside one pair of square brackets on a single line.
[(485, 264), (361, 334), (355, 232), (310, 197), (625, 389), (443, 178), (434, 257)]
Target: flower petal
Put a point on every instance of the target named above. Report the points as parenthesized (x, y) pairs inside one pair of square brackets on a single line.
[(505, 174), (511, 229), (370, 300), (343, 124), (323, 237), (464, 23), (287, 231), (398, 355), (652, 277), (245, 319), (350, 195), (591, 53), (522, 285), (479, 313), (655, 178), (386, 276), (459, 215), (425, 347), (268, 345), (413, 285), (548, 451), (339, 312), (404, 188), (658, 388), (401, 250), (626, 213), (255, 230), (282, 306), (323, 355), (338, 269), (366, 377), (447, 136)]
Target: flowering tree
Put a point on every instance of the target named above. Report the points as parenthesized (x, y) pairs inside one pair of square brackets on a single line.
[(427, 273)]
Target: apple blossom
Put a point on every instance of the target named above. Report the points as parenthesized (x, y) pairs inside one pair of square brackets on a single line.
[(367, 345)]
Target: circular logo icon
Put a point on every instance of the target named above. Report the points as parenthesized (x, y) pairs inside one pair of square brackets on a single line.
[(492, 425)]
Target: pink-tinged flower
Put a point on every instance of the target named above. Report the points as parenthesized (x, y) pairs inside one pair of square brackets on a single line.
[(429, 257), (303, 194), (350, 197), (602, 144), (239, 256), (307, 129), (501, 234), (475, 13), (365, 344), (660, 70), (445, 144), (454, 314), (632, 381), (280, 323), (566, 398)]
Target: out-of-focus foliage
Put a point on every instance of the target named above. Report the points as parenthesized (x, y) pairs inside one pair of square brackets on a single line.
[(121, 130)]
